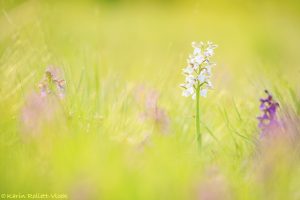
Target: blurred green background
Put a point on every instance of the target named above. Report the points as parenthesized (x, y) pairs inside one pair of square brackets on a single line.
[(97, 146)]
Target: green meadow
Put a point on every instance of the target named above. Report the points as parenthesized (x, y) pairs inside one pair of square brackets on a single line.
[(123, 130)]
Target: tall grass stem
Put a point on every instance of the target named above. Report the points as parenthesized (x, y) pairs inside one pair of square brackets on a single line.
[(198, 133)]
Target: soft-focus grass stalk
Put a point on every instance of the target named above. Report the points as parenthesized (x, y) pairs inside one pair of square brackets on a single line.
[(198, 132)]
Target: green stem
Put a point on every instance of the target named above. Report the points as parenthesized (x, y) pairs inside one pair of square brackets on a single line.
[(198, 134)]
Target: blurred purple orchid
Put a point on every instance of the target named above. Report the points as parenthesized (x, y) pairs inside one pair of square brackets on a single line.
[(148, 98), (268, 119), (40, 108)]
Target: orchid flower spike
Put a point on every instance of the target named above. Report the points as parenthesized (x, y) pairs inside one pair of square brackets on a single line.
[(198, 70)]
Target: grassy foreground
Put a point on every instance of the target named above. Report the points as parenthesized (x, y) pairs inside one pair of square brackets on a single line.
[(123, 130)]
